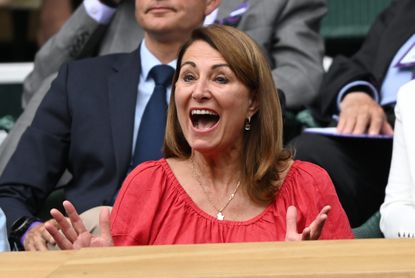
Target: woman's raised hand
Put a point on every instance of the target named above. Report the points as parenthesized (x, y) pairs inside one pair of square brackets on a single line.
[(73, 233), (312, 232)]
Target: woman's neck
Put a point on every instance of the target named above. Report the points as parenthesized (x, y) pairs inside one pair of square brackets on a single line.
[(223, 171)]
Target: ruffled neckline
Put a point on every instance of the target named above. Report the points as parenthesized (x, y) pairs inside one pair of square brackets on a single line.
[(189, 201)]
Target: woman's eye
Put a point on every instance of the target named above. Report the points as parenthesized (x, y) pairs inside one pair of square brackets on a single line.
[(188, 77), (221, 79)]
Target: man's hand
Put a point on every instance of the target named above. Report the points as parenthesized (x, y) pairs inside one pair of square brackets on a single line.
[(312, 232), (360, 114), (38, 238)]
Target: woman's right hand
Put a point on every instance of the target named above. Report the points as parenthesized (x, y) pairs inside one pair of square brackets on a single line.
[(73, 233)]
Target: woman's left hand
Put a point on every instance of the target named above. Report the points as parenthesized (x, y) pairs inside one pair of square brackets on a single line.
[(312, 232)]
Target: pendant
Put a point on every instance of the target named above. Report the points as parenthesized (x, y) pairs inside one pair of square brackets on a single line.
[(220, 216)]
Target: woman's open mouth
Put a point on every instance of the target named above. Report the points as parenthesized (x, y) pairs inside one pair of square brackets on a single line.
[(203, 119)]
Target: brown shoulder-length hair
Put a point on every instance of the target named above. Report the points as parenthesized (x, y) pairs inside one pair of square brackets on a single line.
[(263, 156)]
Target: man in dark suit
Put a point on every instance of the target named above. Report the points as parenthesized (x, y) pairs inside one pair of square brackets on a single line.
[(287, 30), (88, 121), (361, 93)]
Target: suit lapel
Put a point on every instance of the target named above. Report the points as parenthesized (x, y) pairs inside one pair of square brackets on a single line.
[(122, 90), (395, 36)]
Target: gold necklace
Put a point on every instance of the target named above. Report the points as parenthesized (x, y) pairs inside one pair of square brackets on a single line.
[(219, 212)]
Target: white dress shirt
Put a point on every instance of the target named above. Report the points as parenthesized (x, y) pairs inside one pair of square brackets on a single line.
[(398, 209), (99, 12)]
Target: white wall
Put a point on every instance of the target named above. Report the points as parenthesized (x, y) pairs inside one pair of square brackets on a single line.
[(14, 72)]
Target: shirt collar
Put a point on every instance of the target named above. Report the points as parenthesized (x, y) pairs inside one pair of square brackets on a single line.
[(148, 61), (210, 19)]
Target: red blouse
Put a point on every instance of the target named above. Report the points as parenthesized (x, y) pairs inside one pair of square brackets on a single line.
[(153, 208)]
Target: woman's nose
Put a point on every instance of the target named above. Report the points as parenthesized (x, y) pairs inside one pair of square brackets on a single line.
[(201, 90)]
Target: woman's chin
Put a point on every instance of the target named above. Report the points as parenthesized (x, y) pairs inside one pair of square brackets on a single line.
[(204, 146)]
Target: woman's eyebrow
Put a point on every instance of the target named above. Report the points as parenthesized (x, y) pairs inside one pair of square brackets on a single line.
[(219, 66), (189, 63), (192, 64)]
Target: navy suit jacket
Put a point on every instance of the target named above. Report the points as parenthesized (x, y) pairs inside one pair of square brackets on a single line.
[(84, 124), (392, 28)]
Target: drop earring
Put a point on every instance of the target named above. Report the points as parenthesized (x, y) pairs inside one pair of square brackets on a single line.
[(247, 126)]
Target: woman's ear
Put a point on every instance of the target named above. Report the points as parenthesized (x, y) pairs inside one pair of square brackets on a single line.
[(253, 106)]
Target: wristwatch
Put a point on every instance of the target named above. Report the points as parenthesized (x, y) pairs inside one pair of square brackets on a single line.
[(110, 3), (19, 227)]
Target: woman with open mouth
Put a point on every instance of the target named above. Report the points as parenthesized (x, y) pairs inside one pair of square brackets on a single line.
[(226, 176)]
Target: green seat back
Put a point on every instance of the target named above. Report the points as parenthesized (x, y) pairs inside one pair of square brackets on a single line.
[(350, 19), (10, 100)]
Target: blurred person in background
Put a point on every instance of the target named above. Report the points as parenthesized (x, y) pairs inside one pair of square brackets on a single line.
[(358, 95), (398, 210)]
